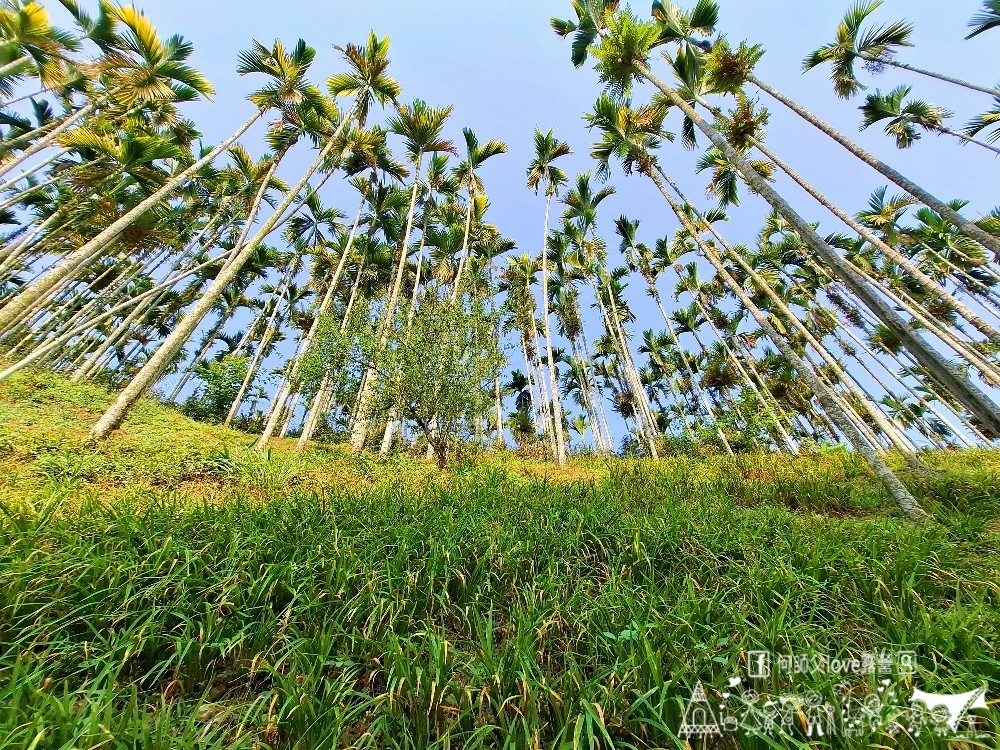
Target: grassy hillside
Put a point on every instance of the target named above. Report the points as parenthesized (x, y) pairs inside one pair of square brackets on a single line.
[(172, 589)]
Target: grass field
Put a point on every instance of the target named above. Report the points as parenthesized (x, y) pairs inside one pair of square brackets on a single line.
[(172, 589)]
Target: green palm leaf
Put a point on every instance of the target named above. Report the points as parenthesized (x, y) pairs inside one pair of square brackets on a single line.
[(988, 19)]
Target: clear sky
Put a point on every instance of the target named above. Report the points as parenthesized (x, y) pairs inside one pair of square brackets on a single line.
[(506, 73)]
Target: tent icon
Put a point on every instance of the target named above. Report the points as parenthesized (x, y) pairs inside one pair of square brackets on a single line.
[(699, 718)]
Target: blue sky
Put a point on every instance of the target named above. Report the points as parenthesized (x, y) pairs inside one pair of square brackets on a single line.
[(506, 73)]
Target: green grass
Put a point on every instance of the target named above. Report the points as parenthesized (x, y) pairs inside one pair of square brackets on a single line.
[(170, 589)]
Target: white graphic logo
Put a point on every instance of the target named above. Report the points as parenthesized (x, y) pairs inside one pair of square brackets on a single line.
[(699, 718), (957, 704), (739, 708)]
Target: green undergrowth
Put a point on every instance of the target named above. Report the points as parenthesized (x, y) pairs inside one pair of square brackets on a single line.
[(172, 589)]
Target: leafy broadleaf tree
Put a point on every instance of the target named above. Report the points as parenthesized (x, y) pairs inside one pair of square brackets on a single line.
[(222, 379), (438, 371)]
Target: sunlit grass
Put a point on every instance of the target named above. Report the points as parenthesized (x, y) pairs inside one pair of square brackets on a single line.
[(325, 600)]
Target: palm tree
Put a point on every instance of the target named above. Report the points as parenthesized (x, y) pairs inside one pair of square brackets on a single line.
[(439, 184), (421, 126), (640, 258), (622, 58), (542, 173), (288, 86), (368, 152), (31, 44), (369, 65), (582, 203), (517, 278), (990, 119), (266, 337), (988, 18), (138, 70), (729, 69), (566, 306), (906, 117), (876, 47), (824, 393), (465, 175), (887, 248)]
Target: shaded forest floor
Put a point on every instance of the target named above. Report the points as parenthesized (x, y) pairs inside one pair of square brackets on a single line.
[(171, 588)]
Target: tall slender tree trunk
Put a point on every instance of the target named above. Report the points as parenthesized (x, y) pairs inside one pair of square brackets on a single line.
[(695, 382), (874, 412), (462, 260), (315, 412), (545, 400), (825, 395), (28, 296), (501, 442), (13, 65), (48, 139), (27, 173), (258, 354), (972, 397), (557, 414), (941, 207), (41, 351), (170, 347), (785, 437), (599, 396), (528, 367), (967, 139), (930, 74), (633, 384), (359, 434), (324, 396), (926, 282), (13, 253)]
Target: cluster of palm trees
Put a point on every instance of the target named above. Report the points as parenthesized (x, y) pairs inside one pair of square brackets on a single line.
[(126, 238)]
